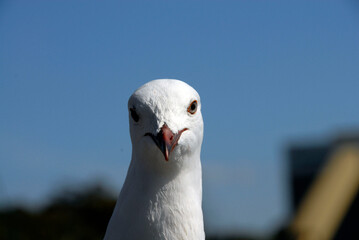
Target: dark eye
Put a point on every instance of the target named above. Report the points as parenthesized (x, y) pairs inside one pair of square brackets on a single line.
[(134, 115), (192, 108)]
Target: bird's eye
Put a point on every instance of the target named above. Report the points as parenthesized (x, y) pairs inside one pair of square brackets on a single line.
[(192, 108), (134, 115)]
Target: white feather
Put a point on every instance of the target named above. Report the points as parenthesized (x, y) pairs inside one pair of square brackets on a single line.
[(162, 199)]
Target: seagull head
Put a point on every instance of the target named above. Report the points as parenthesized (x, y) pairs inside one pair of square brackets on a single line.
[(166, 123)]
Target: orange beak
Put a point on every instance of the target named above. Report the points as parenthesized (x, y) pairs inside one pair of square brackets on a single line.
[(166, 140)]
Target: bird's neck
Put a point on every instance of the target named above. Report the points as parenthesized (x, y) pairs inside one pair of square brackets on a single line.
[(169, 204), (168, 179)]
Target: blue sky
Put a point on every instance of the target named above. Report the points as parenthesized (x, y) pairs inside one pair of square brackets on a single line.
[(269, 73)]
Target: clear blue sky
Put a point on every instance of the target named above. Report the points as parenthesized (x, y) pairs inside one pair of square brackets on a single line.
[(268, 72)]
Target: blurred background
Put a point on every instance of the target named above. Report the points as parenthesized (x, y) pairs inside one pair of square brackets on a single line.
[(279, 84)]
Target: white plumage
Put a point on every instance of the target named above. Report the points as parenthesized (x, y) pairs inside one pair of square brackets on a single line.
[(162, 194)]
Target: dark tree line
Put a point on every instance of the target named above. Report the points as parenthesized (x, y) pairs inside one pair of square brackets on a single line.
[(71, 215)]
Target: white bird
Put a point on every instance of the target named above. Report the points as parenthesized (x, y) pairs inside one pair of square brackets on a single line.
[(162, 194)]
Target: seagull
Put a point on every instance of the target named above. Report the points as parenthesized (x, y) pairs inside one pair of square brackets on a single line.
[(162, 195)]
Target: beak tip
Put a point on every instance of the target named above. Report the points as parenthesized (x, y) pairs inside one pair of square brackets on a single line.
[(166, 154)]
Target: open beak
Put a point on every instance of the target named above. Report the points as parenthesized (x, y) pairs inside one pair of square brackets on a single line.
[(166, 140)]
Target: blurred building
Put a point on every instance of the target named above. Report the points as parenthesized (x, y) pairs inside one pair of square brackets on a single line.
[(305, 163)]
